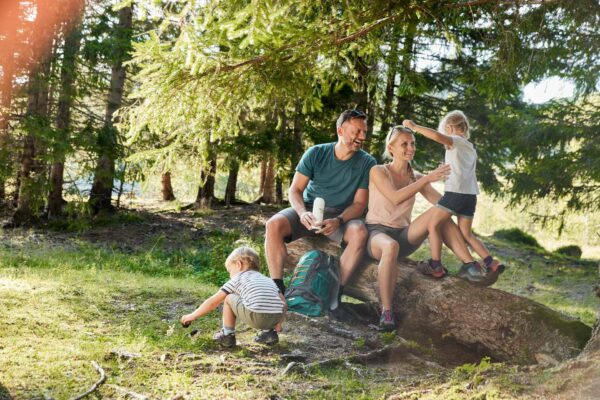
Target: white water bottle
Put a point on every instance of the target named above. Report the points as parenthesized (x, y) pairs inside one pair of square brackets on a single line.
[(318, 211)]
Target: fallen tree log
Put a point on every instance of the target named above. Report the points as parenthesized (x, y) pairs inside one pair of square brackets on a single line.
[(492, 322)]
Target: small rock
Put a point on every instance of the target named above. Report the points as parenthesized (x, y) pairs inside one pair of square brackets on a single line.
[(545, 360), (295, 355), (165, 357)]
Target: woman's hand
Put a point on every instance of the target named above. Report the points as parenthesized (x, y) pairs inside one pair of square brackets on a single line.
[(439, 174)]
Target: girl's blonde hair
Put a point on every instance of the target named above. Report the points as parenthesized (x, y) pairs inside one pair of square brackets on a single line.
[(247, 256), (458, 119), (391, 136)]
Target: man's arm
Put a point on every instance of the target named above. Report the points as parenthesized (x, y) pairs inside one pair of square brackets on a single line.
[(295, 192), (354, 210)]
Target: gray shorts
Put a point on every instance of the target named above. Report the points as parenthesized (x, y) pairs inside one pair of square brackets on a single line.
[(253, 319), (400, 235), (300, 231)]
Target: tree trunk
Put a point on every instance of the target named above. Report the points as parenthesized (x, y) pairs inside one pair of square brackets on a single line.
[(387, 119), (232, 184), (167, 188), (101, 193), (405, 106), (32, 171), (267, 195), (7, 60), (492, 322), (296, 151), (63, 120), (206, 191)]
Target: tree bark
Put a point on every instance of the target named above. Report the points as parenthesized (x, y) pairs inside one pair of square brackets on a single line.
[(167, 188), (267, 195), (405, 105), (102, 187), (63, 119), (232, 183), (387, 119), (492, 322), (206, 190)]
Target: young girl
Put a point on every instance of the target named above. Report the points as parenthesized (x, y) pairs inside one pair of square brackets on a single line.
[(460, 197), (249, 296)]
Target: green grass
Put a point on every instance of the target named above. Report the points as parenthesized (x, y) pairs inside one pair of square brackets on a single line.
[(63, 307)]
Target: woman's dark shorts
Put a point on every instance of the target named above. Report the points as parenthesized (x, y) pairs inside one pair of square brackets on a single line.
[(400, 235), (459, 204)]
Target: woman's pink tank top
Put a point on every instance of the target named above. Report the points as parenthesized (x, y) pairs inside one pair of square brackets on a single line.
[(383, 211)]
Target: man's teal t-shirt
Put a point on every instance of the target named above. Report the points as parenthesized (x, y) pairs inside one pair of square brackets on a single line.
[(336, 181)]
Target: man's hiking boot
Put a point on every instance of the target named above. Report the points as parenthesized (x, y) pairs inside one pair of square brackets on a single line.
[(476, 274), (386, 321), (224, 340), (268, 337), (425, 268)]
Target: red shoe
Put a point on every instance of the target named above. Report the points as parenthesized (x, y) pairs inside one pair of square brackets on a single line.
[(425, 268), (495, 266)]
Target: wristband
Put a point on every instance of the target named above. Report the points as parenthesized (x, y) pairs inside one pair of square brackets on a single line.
[(340, 220)]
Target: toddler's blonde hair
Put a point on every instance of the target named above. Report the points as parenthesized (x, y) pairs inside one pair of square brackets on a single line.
[(247, 256), (458, 119)]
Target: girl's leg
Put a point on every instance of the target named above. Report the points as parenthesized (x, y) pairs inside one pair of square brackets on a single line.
[(228, 316), (451, 236), (385, 249), (465, 225), (438, 218)]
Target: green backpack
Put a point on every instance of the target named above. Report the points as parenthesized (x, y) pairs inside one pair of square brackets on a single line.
[(315, 284)]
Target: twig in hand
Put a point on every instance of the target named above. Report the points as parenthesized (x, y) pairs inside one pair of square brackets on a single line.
[(96, 385)]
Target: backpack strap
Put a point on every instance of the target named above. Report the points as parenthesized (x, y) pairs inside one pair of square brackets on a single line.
[(334, 270)]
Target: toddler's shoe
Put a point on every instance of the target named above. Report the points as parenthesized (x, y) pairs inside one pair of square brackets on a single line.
[(224, 340), (425, 268), (268, 337), (386, 321)]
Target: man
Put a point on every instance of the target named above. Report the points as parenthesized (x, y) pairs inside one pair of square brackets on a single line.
[(339, 173)]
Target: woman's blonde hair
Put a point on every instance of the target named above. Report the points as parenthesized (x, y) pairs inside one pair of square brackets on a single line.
[(391, 136), (247, 256), (458, 119)]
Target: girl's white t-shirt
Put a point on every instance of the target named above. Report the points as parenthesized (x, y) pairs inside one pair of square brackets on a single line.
[(462, 159)]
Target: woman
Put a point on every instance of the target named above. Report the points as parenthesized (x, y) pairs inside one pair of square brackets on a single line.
[(392, 190)]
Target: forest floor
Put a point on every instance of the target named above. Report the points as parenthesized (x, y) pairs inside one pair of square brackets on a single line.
[(111, 291)]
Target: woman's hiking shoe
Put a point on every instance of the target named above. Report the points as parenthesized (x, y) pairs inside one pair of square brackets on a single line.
[(426, 268), (386, 321), (224, 340), (269, 337)]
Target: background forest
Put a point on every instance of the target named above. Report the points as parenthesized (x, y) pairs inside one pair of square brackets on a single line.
[(97, 95), (142, 140)]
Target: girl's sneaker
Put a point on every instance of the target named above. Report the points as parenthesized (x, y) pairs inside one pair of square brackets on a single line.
[(224, 340), (476, 274), (496, 266), (426, 268)]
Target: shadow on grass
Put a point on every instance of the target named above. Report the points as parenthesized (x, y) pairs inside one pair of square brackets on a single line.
[(4, 394)]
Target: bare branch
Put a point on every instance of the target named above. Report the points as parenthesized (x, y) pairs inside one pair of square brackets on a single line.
[(96, 385)]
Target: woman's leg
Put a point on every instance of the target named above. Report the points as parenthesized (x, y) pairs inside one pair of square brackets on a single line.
[(465, 225), (451, 236), (385, 249), (437, 219)]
